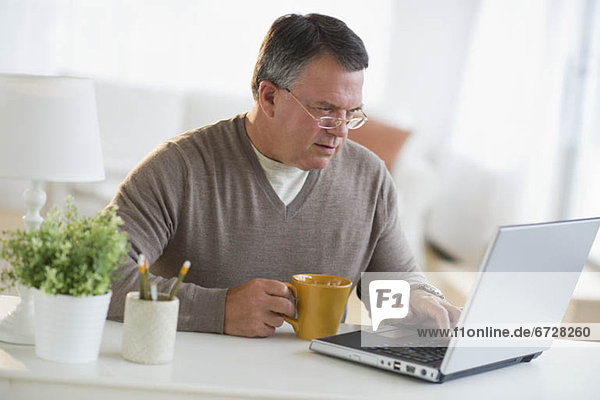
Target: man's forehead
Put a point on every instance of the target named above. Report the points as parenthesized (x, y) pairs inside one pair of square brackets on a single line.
[(325, 82), (333, 93), (327, 104)]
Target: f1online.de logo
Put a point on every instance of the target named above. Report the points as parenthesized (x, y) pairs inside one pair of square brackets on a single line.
[(389, 299)]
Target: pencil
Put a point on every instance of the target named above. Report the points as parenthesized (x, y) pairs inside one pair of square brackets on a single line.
[(153, 291), (142, 269), (182, 272), (145, 279)]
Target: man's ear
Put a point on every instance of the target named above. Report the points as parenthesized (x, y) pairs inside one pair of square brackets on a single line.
[(267, 93)]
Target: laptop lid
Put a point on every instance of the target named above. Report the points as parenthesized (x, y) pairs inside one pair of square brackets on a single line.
[(527, 277)]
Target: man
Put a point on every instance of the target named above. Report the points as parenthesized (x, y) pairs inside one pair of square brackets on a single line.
[(255, 199)]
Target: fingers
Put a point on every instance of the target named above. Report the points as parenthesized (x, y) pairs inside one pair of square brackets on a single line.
[(427, 306), (454, 313), (446, 314), (259, 329), (274, 288), (277, 299), (255, 308), (440, 314), (279, 305), (268, 331), (274, 320)]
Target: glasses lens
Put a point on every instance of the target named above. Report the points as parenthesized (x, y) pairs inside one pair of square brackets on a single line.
[(329, 122), (356, 123)]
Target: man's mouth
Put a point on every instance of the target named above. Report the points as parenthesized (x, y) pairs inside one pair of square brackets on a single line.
[(326, 148)]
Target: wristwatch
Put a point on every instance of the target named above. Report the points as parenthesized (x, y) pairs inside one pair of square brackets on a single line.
[(426, 287)]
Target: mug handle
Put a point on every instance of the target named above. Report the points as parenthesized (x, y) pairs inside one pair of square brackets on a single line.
[(292, 321)]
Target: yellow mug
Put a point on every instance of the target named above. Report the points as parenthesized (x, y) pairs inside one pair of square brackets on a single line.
[(320, 304)]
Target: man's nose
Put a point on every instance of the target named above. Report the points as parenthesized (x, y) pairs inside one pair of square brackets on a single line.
[(341, 130)]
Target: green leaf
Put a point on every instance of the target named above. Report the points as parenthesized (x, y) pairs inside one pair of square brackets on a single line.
[(68, 254)]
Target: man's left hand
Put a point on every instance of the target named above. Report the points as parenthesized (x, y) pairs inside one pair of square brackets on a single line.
[(427, 308)]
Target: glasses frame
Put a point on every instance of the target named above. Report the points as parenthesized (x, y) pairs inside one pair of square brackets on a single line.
[(337, 121)]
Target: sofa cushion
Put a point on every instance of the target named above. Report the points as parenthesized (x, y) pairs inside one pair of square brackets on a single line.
[(204, 108), (382, 139)]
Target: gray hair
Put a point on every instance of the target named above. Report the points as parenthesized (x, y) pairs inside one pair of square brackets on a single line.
[(294, 40)]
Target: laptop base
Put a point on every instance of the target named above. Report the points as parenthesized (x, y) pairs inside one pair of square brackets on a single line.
[(347, 347)]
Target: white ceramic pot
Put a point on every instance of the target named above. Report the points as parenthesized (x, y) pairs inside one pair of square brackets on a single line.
[(149, 329), (67, 328), (17, 326)]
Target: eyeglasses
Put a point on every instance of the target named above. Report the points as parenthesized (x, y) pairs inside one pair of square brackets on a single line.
[(355, 121)]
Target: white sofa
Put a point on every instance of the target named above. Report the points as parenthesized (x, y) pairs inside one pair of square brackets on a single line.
[(135, 119)]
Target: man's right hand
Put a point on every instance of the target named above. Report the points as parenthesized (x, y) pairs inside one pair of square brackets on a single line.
[(253, 309)]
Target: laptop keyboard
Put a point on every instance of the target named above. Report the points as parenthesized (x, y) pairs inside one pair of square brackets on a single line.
[(423, 355)]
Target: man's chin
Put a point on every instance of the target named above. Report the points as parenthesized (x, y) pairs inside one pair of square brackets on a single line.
[(321, 163)]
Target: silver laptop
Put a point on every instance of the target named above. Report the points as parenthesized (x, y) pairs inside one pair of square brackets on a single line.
[(543, 262)]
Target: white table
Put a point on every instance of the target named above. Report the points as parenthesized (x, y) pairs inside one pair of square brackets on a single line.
[(279, 367)]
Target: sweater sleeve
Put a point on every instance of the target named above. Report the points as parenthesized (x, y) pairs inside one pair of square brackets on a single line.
[(392, 252), (392, 257), (150, 201)]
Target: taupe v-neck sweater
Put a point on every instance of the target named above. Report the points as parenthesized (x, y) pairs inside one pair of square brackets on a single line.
[(204, 197)]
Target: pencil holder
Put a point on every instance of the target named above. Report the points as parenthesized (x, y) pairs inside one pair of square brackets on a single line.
[(149, 329)]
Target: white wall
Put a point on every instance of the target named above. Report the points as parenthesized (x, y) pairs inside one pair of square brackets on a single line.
[(429, 41), (32, 36), (416, 49), (504, 162), (31, 40)]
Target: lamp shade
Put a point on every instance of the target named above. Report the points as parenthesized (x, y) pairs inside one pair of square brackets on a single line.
[(49, 129)]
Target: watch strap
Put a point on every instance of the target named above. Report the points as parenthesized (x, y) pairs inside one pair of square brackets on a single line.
[(426, 287)]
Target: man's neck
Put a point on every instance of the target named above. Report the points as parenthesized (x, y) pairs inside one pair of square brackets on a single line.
[(259, 131)]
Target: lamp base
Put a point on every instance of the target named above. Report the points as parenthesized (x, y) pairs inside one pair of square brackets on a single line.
[(17, 326)]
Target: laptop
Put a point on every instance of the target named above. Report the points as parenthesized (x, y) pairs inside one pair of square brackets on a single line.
[(543, 262)]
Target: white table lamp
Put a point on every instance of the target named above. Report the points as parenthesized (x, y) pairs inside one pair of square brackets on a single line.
[(48, 132)]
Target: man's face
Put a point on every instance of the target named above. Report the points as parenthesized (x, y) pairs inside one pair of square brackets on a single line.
[(326, 89)]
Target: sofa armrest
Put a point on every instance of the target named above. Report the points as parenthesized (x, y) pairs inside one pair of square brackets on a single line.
[(382, 139), (417, 182)]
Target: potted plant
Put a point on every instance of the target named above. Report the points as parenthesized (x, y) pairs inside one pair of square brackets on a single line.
[(70, 262)]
